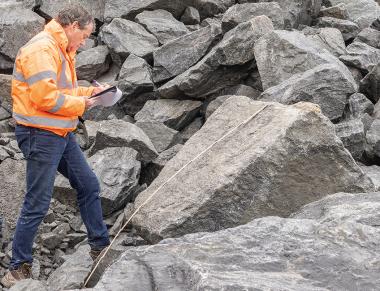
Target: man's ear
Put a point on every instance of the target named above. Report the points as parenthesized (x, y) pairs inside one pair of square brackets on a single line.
[(75, 24)]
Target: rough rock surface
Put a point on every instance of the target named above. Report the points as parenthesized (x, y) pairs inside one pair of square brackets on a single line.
[(17, 27), (125, 37), (281, 54), (12, 191), (225, 65), (162, 25), (308, 252), (282, 161), (329, 86)]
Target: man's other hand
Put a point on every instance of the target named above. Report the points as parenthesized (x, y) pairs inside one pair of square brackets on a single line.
[(100, 89), (88, 102)]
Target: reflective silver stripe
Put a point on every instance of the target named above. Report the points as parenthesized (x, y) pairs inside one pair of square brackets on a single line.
[(45, 121), (35, 78), (63, 83), (76, 84), (40, 76), (58, 105), (18, 76)]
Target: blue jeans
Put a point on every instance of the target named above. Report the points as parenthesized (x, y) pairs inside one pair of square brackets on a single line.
[(45, 153)]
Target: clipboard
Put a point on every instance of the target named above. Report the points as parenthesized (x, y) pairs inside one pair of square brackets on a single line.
[(112, 89)]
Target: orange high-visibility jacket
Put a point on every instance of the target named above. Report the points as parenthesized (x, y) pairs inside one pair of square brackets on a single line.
[(45, 90)]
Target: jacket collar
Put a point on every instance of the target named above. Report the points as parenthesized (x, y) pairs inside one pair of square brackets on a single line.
[(57, 32)]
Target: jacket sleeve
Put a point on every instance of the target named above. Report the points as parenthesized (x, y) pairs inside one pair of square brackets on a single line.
[(39, 70), (85, 91)]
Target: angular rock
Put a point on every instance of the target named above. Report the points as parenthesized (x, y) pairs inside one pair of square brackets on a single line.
[(358, 105), (135, 78), (72, 273), (29, 285), (326, 85), (225, 65), (160, 135), (257, 255), (283, 158), (12, 177), (362, 12), (191, 16), (17, 27), (352, 135), (162, 25), (118, 133), (52, 7), (328, 38), (282, 54), (5, 91), (373, 140), (129, 9), (118, 172), (175, 114), (370, 84), (125, 37), (338, 11), (244, 12), (4, 114), (296, 11), (348, 28), (344, 208), (373, 172), (179, 55), (369, 36), (361, 56), (92, 63)]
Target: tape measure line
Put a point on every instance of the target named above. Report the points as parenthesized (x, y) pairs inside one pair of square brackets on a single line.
[(163, 184)]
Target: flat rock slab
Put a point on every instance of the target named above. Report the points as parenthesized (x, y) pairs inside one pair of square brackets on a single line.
[(282, 159), (308, 252)]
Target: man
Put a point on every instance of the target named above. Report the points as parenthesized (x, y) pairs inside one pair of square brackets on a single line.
[(46, 105)]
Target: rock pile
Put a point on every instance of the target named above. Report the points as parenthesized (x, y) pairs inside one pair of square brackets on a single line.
[(235, 116)]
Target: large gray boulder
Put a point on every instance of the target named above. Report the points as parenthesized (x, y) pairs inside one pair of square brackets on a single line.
[(328, 38), (118, 171), (17, 26), (348, 28), (12, 191), (362, 56), (370, 84), (225, 65), (244, 12), (125, 37), (180, 54), (296, 12), (271, 253), (282, 159), (328, 85), (282, 54), (175, 114), (119, 133), (135, 78), (5, 91), (162, 25), (129, 9), (351, 133), (92, 63), (362, 12), (52, 7), (369, 36)]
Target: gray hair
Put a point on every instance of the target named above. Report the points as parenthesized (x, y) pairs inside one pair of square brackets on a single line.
[(74, 13)]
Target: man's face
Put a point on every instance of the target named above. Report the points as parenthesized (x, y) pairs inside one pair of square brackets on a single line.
[(77, 36)]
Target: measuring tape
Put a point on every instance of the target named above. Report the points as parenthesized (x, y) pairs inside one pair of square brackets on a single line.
[(163, 184)]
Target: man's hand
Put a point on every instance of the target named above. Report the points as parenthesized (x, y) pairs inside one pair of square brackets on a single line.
[(88, 102), (100, 89)]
